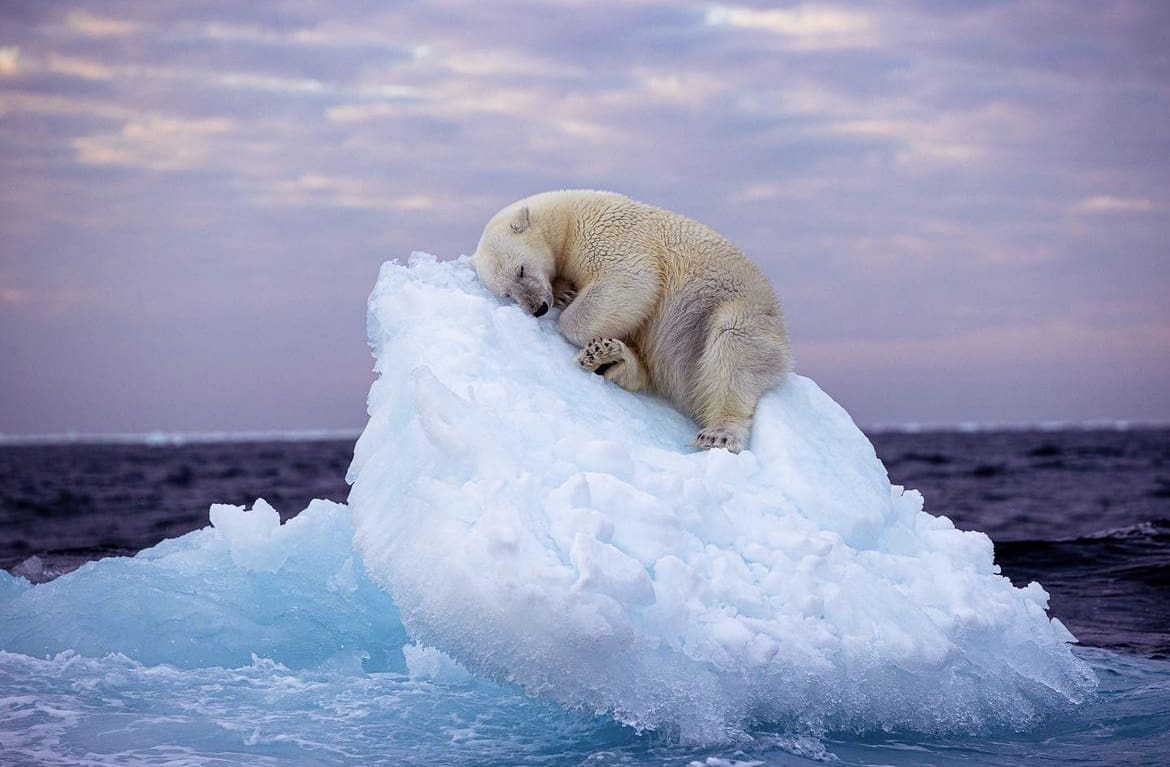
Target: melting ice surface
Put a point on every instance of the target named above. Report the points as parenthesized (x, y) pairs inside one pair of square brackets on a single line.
[(533, 568)]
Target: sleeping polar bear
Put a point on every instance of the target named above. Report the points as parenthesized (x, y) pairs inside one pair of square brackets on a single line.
[(656, 301)]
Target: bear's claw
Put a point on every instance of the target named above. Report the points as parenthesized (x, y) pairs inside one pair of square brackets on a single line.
[(720, 437), (600, 355), (564, 298), (563, 293)]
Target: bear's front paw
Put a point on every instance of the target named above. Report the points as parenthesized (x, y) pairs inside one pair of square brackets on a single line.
[(563, 298), (600, 354), (720, 437), (563, 293)]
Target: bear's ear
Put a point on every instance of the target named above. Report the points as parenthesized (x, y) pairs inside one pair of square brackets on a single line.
[(520, 223)]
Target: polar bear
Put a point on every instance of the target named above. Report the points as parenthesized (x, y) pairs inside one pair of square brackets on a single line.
[(656, 301)]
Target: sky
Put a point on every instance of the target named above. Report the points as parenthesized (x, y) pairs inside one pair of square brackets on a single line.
[(963, 205)]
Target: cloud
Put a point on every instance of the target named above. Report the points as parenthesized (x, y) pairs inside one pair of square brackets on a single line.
[(75, 66), (13, 296), (319, 35), (91, 25), (353, 192), (77, 107), (1104, 203), (258, 82), (808, 27), (368, 111), (9, 60), (501, 62), (156, 143)]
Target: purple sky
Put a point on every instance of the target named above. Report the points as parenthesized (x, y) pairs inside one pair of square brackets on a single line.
[(963, 205)]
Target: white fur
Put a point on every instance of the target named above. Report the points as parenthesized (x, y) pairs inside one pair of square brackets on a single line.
[(656, 300)]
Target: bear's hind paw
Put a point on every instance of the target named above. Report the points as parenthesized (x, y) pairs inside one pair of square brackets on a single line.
[(600, 355), (720, 437)]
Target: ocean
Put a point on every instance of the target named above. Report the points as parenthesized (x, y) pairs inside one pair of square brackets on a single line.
[(1085, 512)]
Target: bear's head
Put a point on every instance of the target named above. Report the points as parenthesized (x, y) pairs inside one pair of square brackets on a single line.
[(515, 261)]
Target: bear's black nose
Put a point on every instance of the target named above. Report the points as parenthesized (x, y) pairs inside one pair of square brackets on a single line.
[(542, 309)]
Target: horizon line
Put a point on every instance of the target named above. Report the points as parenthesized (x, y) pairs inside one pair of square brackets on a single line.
[(161, 438)]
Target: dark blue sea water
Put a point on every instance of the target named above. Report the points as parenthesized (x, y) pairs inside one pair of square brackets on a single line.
[(1084, 512)]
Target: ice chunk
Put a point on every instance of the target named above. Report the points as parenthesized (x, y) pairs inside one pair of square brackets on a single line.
[(246, 586), (540, 525), (429, 663)]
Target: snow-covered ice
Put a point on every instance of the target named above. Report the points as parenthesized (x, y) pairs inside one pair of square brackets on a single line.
[(543, 527)]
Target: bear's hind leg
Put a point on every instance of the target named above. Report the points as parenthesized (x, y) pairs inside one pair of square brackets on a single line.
[(745, 355), (613, 359)]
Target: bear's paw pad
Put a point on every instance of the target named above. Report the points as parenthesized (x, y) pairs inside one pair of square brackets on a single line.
[(600, 354), (720, 437)]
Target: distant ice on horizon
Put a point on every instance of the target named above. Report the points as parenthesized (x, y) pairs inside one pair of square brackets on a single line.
[(178, 438)]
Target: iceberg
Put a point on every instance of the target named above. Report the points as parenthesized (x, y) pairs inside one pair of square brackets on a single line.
[(544, 528), (244, 587), (526, 547)]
